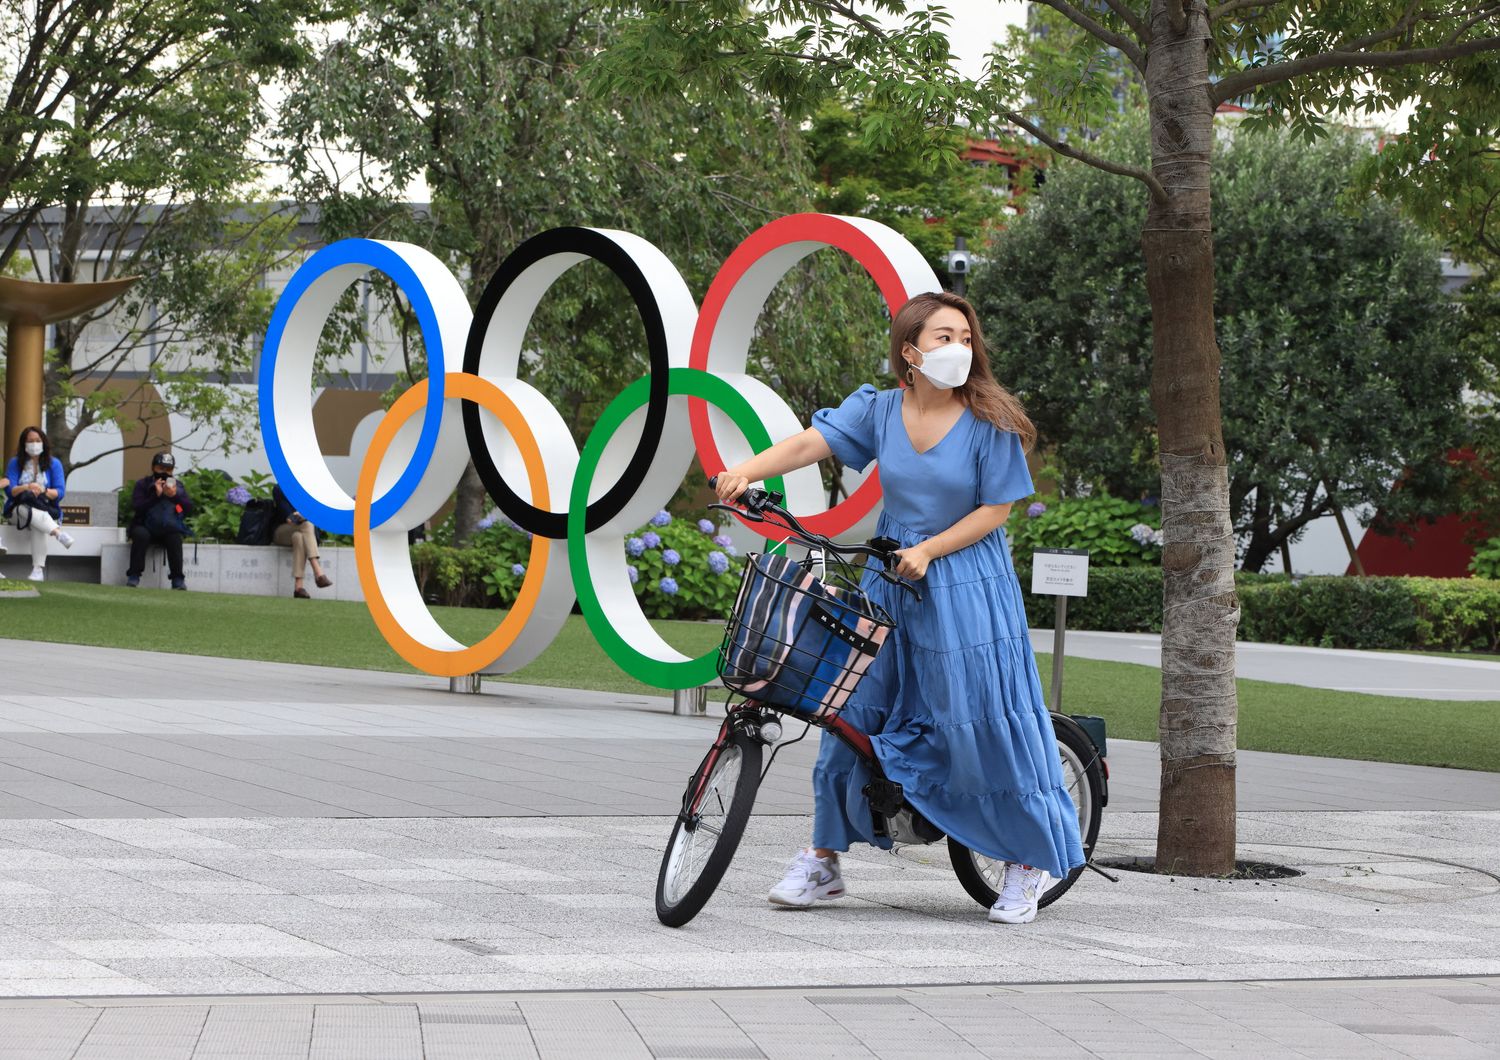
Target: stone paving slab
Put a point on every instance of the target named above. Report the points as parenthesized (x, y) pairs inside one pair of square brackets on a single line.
[(1398, 1018), (107, 907)]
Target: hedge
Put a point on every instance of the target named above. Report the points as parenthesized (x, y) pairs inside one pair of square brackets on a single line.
[(1423, 614)]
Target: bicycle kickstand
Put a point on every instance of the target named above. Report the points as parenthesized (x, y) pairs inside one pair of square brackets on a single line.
[(1101, 872)]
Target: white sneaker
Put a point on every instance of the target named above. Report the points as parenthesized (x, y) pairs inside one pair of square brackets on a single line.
[(808, 879), (1017, 903), (37, 574), (65, 539)]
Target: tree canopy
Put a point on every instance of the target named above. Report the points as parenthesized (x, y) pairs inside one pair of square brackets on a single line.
[(930, 199), (132, 128), (488, 103), (1342, 369)]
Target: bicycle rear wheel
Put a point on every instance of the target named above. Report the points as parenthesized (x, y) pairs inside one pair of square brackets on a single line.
[(1083, 776), (715, 811)]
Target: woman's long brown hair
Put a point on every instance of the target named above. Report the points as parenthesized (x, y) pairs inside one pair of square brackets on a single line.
[(986, 398)]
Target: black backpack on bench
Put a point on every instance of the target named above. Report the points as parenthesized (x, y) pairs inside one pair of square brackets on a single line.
[(257, 524)]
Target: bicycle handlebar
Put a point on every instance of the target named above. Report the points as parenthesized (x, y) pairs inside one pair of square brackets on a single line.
[(756, 504)]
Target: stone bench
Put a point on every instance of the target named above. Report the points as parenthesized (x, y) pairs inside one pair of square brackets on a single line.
[(77, 564), (87, 541), (247, 570)]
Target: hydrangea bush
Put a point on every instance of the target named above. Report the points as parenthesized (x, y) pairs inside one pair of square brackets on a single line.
[(685, 569), (680, 568), (1117, 532)]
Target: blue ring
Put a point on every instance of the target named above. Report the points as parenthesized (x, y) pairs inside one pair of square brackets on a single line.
[(383, 259)]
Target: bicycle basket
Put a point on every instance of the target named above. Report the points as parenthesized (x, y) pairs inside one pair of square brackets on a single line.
[(796, 643)]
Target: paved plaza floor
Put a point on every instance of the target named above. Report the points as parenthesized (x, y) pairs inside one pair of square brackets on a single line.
[(1423, 1018), (385, 869)]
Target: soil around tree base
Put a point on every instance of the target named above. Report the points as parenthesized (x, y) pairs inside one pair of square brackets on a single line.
[(1243, 870)]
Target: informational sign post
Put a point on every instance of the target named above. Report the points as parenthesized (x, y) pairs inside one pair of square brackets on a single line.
[(1059, 572)]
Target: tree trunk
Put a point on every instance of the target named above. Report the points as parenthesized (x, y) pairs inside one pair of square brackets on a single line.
[(61, 435), (1260, 545), (1195, 833), (469, 505)]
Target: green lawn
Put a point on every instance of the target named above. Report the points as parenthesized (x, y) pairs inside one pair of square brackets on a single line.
[(1273, 717), (1297, 720)]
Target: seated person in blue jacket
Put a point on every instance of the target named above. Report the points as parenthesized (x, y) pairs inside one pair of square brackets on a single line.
[(34, 490), (160, 504), (293, 531)]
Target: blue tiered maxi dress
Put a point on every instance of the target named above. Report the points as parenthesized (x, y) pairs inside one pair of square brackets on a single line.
[(953, 701)]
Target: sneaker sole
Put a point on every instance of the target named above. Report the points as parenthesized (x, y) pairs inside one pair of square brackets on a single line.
[(1012, 918), (786, 903)]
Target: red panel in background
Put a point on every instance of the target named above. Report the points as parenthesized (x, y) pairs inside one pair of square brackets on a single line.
[(1438, 550)]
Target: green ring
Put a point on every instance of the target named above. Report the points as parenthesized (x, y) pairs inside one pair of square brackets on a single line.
[(691, 382)]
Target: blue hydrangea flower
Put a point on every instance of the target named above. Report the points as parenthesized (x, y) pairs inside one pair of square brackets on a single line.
[(706, 526), (652, 539), (485, 523), (238, 495), (1036, 509), (518, 569), (671, 557), (1145, 535), (661, 518), (731, 550), (724, 541), (668, 586), (634, 547), (635, 575), (718, 562)]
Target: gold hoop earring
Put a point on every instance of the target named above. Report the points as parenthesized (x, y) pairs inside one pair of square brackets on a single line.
[(911, 374)]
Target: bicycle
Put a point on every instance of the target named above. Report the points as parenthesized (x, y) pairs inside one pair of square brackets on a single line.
[(808, 675)]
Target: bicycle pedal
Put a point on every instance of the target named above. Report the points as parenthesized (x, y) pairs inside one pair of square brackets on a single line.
[(885, 796)]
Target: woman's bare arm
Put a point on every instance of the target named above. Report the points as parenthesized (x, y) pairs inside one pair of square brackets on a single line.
[(788, 455)]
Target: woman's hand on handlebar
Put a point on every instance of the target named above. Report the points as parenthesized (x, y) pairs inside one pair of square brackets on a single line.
[(729, 486), (912, 562)]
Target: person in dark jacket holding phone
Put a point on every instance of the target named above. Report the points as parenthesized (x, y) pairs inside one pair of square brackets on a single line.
[(160, 504), (295, 532)]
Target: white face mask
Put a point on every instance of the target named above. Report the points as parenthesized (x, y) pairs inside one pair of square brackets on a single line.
[(33, 448), (947, 366)]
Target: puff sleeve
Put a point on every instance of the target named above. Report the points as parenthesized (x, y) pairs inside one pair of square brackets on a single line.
[(1003, 475), (849, 429)]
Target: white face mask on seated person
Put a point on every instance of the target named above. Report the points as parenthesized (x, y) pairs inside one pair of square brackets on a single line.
[(33, 448), (947, 366)]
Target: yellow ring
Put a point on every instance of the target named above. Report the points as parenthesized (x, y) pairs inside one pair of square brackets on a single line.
[(472, 659)]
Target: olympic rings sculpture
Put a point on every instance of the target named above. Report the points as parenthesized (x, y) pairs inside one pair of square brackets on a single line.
[(697, 398)]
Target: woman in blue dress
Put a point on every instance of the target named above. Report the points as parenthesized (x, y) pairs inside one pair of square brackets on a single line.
[(953, 702)]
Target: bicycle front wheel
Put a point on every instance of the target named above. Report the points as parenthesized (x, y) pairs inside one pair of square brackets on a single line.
[(715, 811)]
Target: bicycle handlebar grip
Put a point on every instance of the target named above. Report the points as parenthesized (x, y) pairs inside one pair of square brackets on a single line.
[(752, 499)]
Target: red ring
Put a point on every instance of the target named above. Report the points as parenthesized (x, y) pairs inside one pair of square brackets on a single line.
[(795, 228)]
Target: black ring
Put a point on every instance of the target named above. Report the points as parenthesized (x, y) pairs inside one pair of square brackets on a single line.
[(596, 245)]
